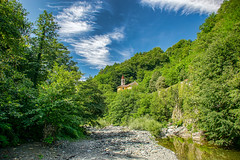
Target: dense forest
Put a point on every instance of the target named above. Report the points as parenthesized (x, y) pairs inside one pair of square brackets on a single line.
[(193, 83), (42, 97)]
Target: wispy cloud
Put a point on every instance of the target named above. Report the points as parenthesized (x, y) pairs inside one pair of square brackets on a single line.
[(58, 5), (78, 18), (186, 6), (95, 50), (55, 6), (126, 53)]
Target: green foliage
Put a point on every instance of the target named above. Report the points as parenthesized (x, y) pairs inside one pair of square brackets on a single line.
[(160, 83), (146, 123), (189, 127), (199, 79), (41, 95), (101, 123), (177, 70), (13, 32), (49, 140), (71, 132), (40, 156), (91, 99), (122, 107), (220, 129), (215, 74), (143, 104), (209, 24), (16, 90), (3, 140), (152, 82), (57, 103), (179, 123), (65, 103), (132, 69), (163, 102), (46, 49)]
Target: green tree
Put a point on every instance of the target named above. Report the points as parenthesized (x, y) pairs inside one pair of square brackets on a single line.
[(162, 104), (215, 76), (160, 83), (43, 46), (152, 82), (15, 89), (122, 107), (91, 100), (57, 107)]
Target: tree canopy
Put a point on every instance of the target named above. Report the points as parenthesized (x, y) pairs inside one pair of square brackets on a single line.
[(42, 97)]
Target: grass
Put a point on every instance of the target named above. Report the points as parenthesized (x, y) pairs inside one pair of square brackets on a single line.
[(101, 123), (148, 124)]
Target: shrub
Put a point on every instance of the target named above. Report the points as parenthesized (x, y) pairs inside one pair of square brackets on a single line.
[(146, 123), (101, 123), (179, 123)]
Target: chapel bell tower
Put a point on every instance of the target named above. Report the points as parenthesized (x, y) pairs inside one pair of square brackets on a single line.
[(122, 81)]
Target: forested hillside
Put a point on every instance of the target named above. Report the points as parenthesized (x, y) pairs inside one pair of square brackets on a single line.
[(193, 83), (41, 95), (132, 69)]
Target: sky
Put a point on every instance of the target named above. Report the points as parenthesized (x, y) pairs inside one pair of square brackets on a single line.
[(104, 32)]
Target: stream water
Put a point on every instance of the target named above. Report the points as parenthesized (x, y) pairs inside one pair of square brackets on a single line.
[(187, 150)]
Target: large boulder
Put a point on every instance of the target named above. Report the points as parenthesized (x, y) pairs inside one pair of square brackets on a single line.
[(181, 132)]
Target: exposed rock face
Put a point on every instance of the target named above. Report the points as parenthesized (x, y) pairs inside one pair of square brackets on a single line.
[(197, 137), (177, 113), (181, 132)]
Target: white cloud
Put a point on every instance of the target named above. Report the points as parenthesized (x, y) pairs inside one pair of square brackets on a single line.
[(187, 6), (95, 50), (55, 6), (78, 18), (117, 34), (126, 53)]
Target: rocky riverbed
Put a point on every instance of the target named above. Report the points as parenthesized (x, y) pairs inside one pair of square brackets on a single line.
[(182, 132), (107, 143)]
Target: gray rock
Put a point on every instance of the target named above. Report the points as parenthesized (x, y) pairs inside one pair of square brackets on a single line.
[(197, 137), (181, 132), (107, 143)]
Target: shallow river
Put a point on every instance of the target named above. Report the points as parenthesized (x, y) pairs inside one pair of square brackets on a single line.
[(187, 150)]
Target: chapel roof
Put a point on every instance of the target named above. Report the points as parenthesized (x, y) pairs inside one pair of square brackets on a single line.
[(130, 84)]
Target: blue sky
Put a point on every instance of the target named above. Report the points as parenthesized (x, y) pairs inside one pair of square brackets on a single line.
[(102, 32)]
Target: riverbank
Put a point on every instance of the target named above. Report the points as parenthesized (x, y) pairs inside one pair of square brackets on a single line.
[(186, 149), (108, 143)]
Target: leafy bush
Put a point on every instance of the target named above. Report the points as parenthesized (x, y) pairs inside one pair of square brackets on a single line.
[(101, 123), (146, 123), (122, 107), (71, 132), (162, 104), (179, 123)]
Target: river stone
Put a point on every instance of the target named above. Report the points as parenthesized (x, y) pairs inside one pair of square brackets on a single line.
[(197, 137), (107, 143)]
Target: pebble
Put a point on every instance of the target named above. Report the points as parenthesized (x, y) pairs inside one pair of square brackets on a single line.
[(112, 142)]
